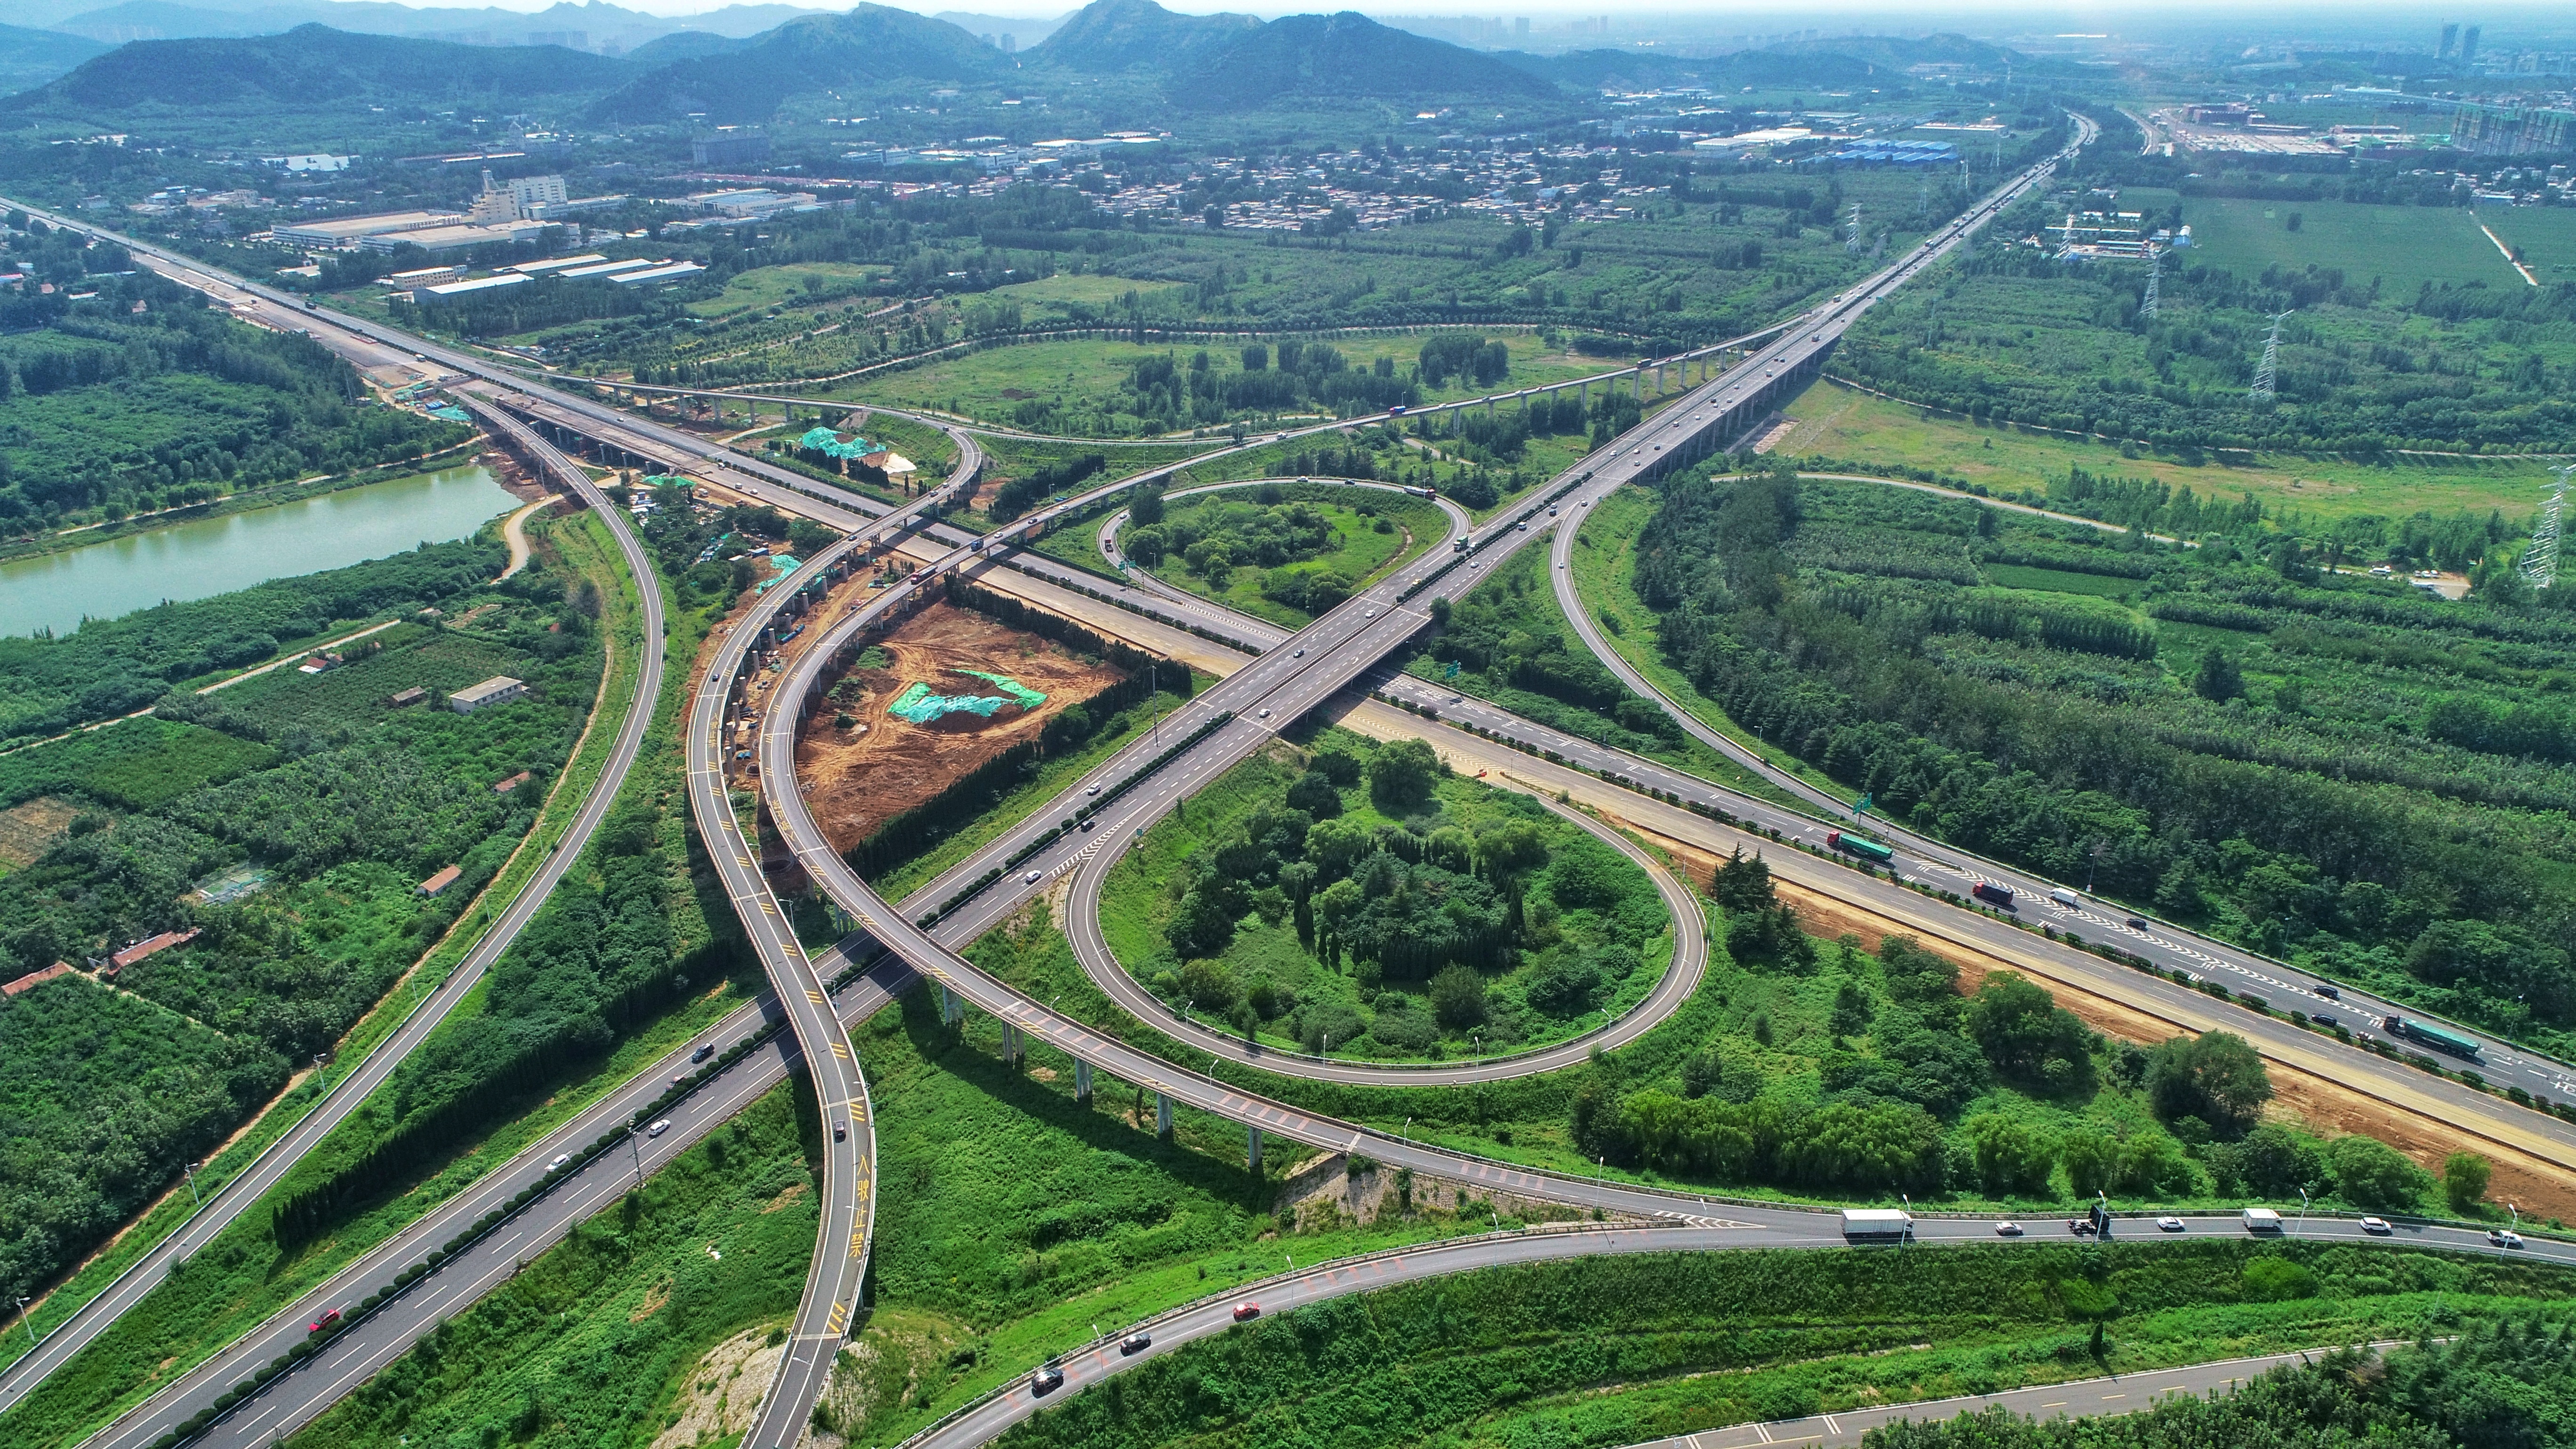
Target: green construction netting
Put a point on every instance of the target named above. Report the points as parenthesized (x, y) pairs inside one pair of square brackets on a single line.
[(920, 706), (836, 445)]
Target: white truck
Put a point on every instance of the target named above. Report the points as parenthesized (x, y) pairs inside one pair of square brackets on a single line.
[(1877, 1225), (2262, 1220)]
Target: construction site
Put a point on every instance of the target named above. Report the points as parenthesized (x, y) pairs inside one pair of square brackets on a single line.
[(947, 691)]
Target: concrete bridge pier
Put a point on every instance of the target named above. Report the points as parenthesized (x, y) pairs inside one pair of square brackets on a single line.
[(1162, 1115), (1081, 1080), (949, 1009), (1256, 1151), (1010, 1045)]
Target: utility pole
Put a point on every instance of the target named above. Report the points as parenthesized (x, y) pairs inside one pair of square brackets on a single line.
[(2263, 390)]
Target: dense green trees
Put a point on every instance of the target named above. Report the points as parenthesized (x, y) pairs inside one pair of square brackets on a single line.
[(2348, 773), (148, 398)]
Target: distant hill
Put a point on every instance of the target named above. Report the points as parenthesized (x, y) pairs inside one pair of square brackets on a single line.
[(1347, 57), (1114, 35), (871, 45), (599, 23), (1027, 33), (314, 67), (686, 45), (33, 57), (1898, 52)]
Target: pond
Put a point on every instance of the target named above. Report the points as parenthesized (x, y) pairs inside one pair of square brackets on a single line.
[(209, 556)]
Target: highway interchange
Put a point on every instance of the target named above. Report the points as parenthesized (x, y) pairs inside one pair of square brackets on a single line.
[(1272, 690)]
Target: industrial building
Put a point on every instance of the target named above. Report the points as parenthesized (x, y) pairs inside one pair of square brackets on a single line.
[(350, 230), (455, 236), (729, 148), (670, 272)]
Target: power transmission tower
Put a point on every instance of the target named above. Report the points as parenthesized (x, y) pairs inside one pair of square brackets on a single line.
[(1923, 198), (2540, 564), (2263, 375), (2155, 283), (1852, 244)]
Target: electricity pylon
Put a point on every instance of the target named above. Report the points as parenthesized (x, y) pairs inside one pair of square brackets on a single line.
[(2263, 375), (1852, 245), (2155, 283), (2540, 563)]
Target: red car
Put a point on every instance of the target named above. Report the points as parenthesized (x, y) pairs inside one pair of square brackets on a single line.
[(325, 1321), (1245, 1312)]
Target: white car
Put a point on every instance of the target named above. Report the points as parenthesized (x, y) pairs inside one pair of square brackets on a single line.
[(1265, 713), (2504, 1237), (2170, 1225), (658, 1128), (559, 1161), (1032, 877), (1094, 790), (2378, 1227), (1368, 613), (2007, 1230)]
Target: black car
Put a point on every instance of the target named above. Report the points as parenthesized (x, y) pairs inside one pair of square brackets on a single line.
[(2328, 1022), (704, 1051), (2330, 993), (1135, 1343), (1046, 1381), (2137, 923)]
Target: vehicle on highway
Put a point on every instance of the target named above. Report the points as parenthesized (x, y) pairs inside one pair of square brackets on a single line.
[(658, 1128), (1246, 1312), (1854, 845), (840, 1131), (2079, 1226), (1993, 894), (1300, 654), (1523, 525), (1031, 878), (1864, 1223), (2135, 923), (560, 1159), (1368, 613), (2504, 1237), (2379, 1227), (1265, 712), (2007, 1230), (705, 1050), (2426, 1035), (2262, 1220), (329, 1317), (2326, 1019), (2067, 898), (2170, 1225), (1046, 1380), (1094, 790), (2329, 991), (1135, 1343)]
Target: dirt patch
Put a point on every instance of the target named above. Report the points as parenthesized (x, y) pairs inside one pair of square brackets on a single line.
[(723, 1391), (28, 831), (858, 775), (794, 1191), (654, 1298)]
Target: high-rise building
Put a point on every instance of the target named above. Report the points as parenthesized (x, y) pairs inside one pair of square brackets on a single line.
[(2469, 45), (2450, 38), (731, 148), (1520, 27)]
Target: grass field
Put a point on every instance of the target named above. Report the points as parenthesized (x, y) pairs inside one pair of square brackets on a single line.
[(2545, 234), (979, 384), (1361, 553), (802, 282), (2403, 246), (1839, 422)]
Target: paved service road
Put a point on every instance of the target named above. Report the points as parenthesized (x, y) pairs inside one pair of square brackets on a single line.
[(2102, 1398), (270, 1167), (981, 1420)]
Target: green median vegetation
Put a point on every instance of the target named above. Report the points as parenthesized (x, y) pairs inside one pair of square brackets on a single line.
[(597, 1340), (1359, 900), (1618, 1351)]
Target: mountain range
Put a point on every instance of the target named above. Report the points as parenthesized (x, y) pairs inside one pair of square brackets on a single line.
[(1189, 64)]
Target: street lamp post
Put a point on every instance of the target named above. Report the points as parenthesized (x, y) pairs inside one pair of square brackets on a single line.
[(2303, 1209), (193, 1199)]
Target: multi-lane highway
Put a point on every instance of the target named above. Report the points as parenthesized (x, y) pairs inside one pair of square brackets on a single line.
[(271, 1166)]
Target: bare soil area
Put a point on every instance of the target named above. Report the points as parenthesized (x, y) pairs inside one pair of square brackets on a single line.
[(27, 831), (878, 765)]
